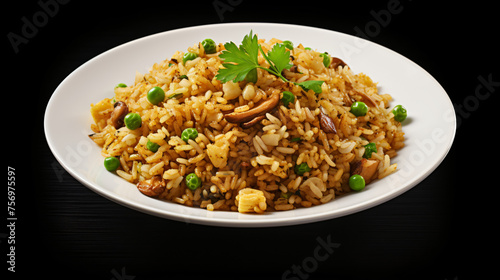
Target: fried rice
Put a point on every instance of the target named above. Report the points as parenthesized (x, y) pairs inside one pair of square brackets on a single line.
[(248, 165)]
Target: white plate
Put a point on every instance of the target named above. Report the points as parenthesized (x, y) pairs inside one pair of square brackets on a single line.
[(430, 127)]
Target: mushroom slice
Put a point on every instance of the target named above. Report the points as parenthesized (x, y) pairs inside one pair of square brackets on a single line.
[(253, 122), (326, 122), (259, 110), (366, 168), (367, 99), (347, 99), (336, 62), (152, 187), (118, 115)]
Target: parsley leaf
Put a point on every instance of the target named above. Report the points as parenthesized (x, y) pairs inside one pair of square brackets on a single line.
[(279, 59), (250, 44), (312, 84), (238, 62)]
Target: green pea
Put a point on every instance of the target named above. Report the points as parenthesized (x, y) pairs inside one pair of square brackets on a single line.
[(359, 108), (121, 85), (111, 163), (369, 149), (287, 98), (326, 59), (193, 181), (156, 95), (302, 168), (288, 44), (209, 46), (307, 48), (133, 121), (400, 113), (189, 133), (152, 146), (357, 182), (188, 56)]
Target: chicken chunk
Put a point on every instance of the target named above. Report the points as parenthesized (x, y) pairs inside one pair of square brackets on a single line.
[(218, 152)]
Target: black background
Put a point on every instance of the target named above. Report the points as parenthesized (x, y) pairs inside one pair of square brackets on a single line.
[(444, 228)]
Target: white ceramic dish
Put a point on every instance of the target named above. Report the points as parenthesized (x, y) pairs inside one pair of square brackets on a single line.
[(430, 127)]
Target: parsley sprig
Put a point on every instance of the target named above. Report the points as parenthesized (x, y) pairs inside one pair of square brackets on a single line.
[(239, 61)]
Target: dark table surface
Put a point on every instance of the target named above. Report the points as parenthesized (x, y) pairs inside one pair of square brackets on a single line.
[(437, 230)]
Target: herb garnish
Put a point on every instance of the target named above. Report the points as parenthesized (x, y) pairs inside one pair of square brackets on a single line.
[(238, 62)]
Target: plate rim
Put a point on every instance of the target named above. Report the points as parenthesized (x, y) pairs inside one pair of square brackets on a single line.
[(304, 219)]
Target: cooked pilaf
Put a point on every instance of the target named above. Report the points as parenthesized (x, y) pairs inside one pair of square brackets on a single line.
[(250, 148)]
